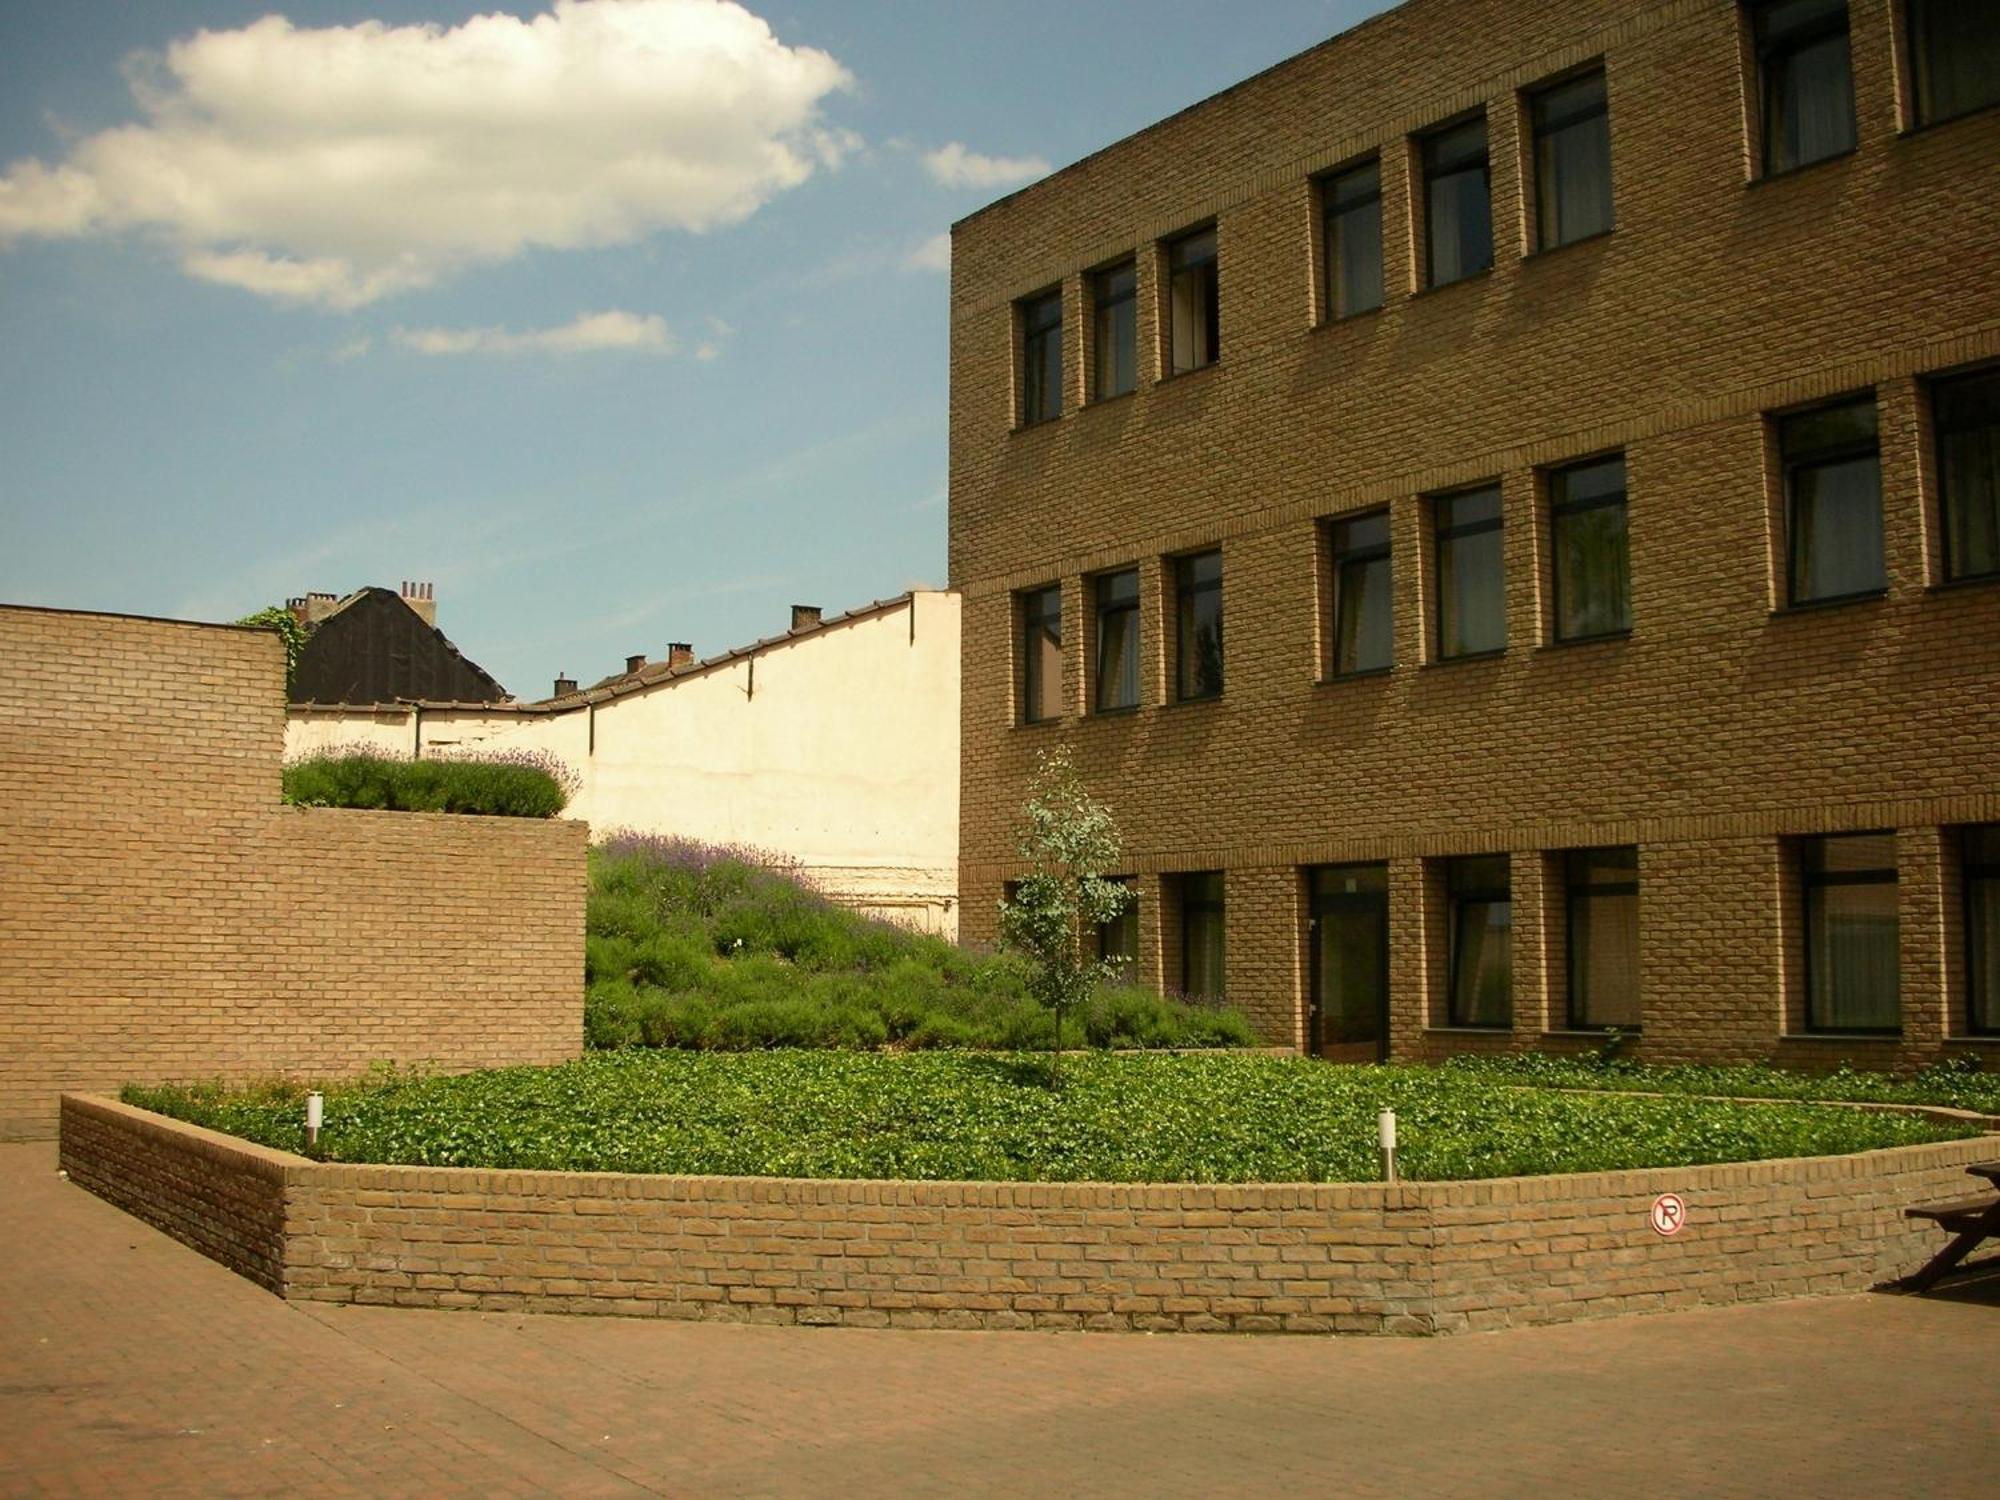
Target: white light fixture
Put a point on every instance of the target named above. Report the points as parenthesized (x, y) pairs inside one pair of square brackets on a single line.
[(1385, 1129), (315, 1115)]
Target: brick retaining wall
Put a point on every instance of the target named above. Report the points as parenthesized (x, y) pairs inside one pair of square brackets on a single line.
[(1343, 1258)]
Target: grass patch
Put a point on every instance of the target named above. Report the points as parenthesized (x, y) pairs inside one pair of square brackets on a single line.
[(931, 1116), (698, 947), (1956, 1084), (522, 785)]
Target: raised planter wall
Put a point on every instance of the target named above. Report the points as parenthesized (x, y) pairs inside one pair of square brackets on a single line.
[(1355, 1258)]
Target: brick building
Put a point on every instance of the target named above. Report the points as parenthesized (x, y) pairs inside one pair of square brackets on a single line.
[(1586, 417)]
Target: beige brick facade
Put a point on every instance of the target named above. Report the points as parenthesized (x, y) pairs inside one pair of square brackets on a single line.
[(164, 916), (1723, 728), (1419, 1258)]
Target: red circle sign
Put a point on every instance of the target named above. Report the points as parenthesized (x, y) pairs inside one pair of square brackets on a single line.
[(1669, 1214)]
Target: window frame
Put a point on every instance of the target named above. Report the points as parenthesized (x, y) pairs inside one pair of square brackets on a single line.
[(1100, 611), (1790, 466), (1975, 870), (1915, 14), (1340, 558), (1185, 591), (1209, 269), (1561, 510), (1432, 174), (1039, 341), (1441, 535), (1099, 305), (1332, 308), (1457, 900), (1939, 431), (1767, 54), (1580, 892), (1033, 616), (1811, 881), (1540, 129)]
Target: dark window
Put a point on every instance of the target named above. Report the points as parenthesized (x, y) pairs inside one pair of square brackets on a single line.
[(1603, 911), (1202, 965), (1118, 640), (1955, 57), (1118, 939), (1458, 208), (1041, 654), (1572, 160), (1805, 81), (1966, 414), (1353, 204), (1471, 574), (1114, 299), (1198, 617), (1593, 565), (1041, 358), (1194, 301), (1982, 928), (1362, 629), (1833, 502), (1850, 931), (1482, 923)]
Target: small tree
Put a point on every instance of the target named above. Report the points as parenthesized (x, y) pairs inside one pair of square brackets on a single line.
[(1069, 840)]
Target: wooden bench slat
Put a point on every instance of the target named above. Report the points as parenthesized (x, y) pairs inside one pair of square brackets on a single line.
[(1959, 1213)]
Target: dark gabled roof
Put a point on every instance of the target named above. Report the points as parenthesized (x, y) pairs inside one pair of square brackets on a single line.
[(374, 648)]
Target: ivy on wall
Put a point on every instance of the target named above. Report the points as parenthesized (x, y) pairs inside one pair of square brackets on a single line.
[(290, 631)]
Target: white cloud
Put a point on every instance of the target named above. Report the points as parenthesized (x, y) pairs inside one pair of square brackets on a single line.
[(589, 333), (337, 165), (934, 254), (955, 166)]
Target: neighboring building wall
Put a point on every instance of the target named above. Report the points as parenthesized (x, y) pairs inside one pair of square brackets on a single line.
[(164, 916), (837, 747), (1719, 731)]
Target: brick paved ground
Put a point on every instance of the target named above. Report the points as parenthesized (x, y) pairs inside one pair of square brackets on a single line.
[(131, 1365)]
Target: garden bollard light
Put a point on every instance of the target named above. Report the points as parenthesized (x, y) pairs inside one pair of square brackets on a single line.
[(315, 1113), (1385, 1126)]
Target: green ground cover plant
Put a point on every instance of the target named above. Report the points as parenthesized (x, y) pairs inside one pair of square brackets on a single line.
[(1958, 1083), (692, 945), (1184, 1117), (518, 785)]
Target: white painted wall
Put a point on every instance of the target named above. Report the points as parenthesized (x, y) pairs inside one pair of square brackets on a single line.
[(838, 747)]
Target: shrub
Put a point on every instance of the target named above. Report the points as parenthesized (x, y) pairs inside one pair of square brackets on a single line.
[(516, 785)]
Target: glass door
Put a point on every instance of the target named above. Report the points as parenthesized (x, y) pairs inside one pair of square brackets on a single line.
[(1350, 962)]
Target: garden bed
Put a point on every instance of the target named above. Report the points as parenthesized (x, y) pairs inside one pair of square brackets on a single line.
[(973, 1116)]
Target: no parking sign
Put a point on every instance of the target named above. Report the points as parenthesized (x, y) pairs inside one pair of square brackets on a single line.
[(1669, 1214)]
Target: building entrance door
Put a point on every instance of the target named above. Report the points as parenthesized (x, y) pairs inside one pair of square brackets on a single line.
[(1350, 963)]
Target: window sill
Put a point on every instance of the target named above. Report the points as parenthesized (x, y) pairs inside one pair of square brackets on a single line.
[(1608, 638), (1974, 1039), (1039, 723), (1365, 674), (1468, 279), (1099, 401), (1438, 663), (1970, 581), (1123, 711), (1925, 127), (1893, 1034), (1174, 377), (1204, 701), (1021, 429), (1351, 320), (1468, 1031), (1535, 256), (1590, 1033), (1766, 179), (1837, 601)]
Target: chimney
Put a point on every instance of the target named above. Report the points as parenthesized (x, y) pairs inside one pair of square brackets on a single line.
[(633, 663), (315, 607), (805, 616), (679, 654), (422, 597), (564, 687)]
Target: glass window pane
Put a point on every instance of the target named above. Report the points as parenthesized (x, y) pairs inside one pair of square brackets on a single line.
[(1572, 161), (1966, 415), (1837, 529), (1198, 644), (1481, 969), (1194, 308), (1851, 854), (1808, 100), (1982, 927), (1829, 430), (1593, 572), (1118, 939), (1458, 219), (1474, 509), (1472, 596), (1851, 960), (1363, 631), (1955, 54), (1604, 937), (1041, 358), (1203, 962), (1354, 241), (1118, 640), (1116, 334), (1041, 655)]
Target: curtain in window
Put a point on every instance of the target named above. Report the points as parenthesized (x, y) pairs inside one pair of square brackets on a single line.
[(1202, 959), (1364, 629), (1968, 414), (1458, 210), (1118, 658), (1854, 960), (1604, 963), (1594, 581), (1955, 45), (1117, 340), (1482, 978), (1810, 112), (1572, 161), (1473, 598), (1982, 916), (1837, 526)]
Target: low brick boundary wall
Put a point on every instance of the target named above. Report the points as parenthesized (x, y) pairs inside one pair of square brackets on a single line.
[(1304, 1258)]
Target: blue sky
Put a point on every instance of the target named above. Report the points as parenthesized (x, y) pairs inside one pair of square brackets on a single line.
[(623, 321)]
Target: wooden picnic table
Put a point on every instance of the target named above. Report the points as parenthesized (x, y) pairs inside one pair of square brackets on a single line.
[(1972, 1221)]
